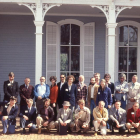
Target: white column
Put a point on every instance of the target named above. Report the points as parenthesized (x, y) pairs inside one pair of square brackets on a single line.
[(111, 49), (38, 51)]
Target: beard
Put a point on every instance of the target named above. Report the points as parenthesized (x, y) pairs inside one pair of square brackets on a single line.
[(92, 83), (42, 83)]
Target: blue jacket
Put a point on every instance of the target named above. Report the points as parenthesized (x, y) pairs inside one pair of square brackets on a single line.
[(44, 96), (31, 115), (69, 95), (13, 112), (104, 96)]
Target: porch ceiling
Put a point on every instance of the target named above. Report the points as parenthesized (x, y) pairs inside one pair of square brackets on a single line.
[(84, 10)]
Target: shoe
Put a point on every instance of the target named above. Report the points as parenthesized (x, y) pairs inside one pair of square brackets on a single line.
[(129, 131), (79, 132), (24, 131), (39, 130), (95, 134), (112, 130)]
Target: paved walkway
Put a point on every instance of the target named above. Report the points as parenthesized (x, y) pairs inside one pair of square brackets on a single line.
[(54, 135)]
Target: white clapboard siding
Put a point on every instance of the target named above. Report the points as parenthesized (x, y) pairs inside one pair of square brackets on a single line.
[(51, 50), (89, 31)]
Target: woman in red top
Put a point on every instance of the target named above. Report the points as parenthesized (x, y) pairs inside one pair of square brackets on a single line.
[(53, 95)]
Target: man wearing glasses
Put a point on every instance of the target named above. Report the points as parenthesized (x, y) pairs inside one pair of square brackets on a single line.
[(41, 92), (60, 84)]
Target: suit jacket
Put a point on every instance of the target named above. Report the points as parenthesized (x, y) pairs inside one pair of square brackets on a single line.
[(60, 115), (31, 115), (131, 116), (81, 92), (53, 94), (59, 98), (13, 112), (10, 90), (95, 93), (122, 115), (69, 95), (26, 94), (44, 96), (104, 96), (133, 92), (97, 114), (50, 114)]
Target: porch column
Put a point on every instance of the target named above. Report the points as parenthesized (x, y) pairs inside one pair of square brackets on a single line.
[(111, 50), (38, 51)]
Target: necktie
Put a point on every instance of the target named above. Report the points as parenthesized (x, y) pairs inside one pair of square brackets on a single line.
[(117, 115)]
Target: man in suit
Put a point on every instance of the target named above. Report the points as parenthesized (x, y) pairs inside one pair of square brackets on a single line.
[(10, 88), (69, 92), (41, 92), (92, 94), (64, 117), (133, 92), (82, 117), (26, 92), (28, 116), (117, 117), (81, 89), (60, 84), (45, 117), (9, 114), (121, 89), (100, 114), (133, 118)]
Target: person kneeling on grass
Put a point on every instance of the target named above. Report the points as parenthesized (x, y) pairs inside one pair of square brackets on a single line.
[(28, 116), (100, 118), (82, 117), (64, 117), (45, 117), (9, 113)]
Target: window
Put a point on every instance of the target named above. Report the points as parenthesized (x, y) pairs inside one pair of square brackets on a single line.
[(128, 47), (70, 50)]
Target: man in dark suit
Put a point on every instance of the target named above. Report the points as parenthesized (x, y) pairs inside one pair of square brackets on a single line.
[(117, 117), (9, 114), (45, 117), (10, 88), (60, 84), (28, 116), (26, 92), (69, 92)]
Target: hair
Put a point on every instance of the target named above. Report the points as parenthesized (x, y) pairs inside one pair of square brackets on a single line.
[(81, 101), (92, 77), (82, 76), (96, 74), (107, 74), (11, 74), (43, 77), (14, 99), (122, 75), (135, 76), (103, 80), (63, 74), (47, 100), (117, 101), (136, 103), (30, 100), (101, 102), (53, 77), (70, 76)]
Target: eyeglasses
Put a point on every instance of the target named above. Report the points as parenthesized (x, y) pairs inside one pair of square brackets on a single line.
[(42, 79), (61, 77)]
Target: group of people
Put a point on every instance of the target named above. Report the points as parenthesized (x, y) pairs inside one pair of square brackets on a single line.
[(76, 107)]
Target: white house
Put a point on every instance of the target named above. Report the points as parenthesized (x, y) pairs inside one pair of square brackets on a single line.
[(50, 37)]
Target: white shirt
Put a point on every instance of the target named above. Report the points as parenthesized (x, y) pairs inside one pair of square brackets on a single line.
[(41, 89), (92, 91), (9, 109), (29, 108), (61, 85), (11, 81), (69, 88), (81, 84)]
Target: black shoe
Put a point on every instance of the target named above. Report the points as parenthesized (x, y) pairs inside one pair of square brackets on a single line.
[(79, 132), (112, 130), (24, 131)]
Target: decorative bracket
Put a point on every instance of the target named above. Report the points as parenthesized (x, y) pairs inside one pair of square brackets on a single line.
[(104, 9), (31, 6), (119, 9), (46, 7)]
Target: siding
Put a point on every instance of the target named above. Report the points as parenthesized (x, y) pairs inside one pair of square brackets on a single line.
[(17, 46)]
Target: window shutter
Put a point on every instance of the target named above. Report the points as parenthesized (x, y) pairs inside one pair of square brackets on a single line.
[(51, 49), (89, 31)]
